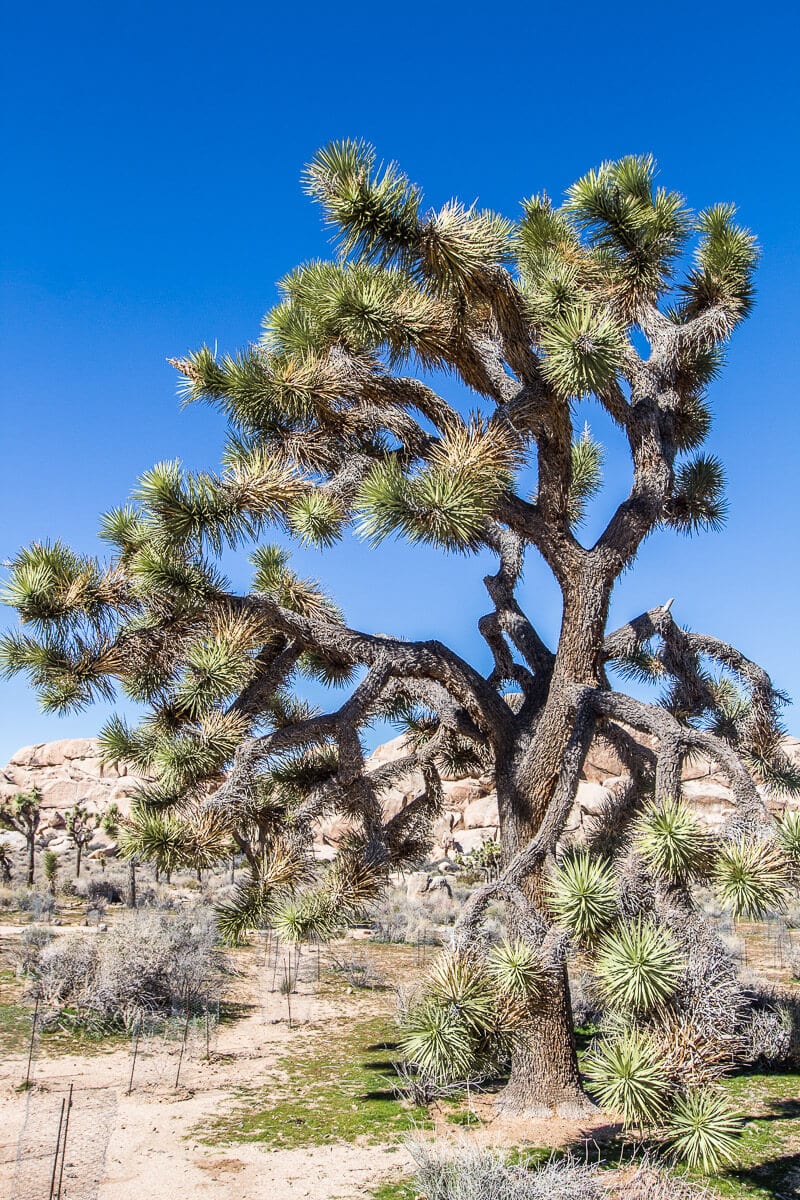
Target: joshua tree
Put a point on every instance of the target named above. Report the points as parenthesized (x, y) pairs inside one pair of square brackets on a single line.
[(113, 824), (82, 825), (22, 813), (50, 865), (587, 301), (6, 863)]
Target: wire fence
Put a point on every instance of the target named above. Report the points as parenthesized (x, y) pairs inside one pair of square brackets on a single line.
[(62, 1147), (162, 1049)]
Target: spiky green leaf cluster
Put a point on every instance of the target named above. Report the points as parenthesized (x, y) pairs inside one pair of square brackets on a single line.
[(449, 502), (673, 842), (752, 877), (704, 1130), (638, 966), (583, 893), (582, 351), (470, 1011), (586, 476), (698, 497), (626, 1075), (789, 835)]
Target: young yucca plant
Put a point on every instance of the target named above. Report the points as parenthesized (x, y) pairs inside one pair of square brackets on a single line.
[(583, 894), (516, 970), (626, 1075), (460, 984), (752, 877), (789, 835), (703, 1129), (438, 1042), (672, 841), (638, 966)]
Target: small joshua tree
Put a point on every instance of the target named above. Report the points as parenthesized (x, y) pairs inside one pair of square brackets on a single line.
[(50, 866), (22, 813), (82, 825), (6, 863), (113, 824), (621, 298)]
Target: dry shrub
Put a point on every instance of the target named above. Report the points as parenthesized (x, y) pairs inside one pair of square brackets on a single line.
[(357, 967), (701, 1032), (40, 905), (652, 1182), (467, 1172), (147, 964), (771, 1029), (27, 951), (107, 890)]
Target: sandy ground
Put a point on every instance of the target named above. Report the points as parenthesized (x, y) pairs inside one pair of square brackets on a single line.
[(147, 1136), (124, 1145)]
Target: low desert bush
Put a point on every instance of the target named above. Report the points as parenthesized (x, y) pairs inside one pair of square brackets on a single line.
[(107, 890), (651, 1181), (358, 968), (27, 951), (587, 1005), (41, 906), (148, 964), (423, 919), (468, 1172), (771, 1028), (394, 916), (159, 896)]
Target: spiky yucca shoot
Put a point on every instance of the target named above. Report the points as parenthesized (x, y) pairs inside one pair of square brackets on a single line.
[(626, 1076), (752, 877), (789, 836), (703, 1129), (638, 966), (621, 295), (583, 893), (673, 842), (516, 970), (470, 1011)]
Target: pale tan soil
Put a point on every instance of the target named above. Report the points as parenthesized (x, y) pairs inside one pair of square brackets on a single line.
[(153, 1149), (154, 1135)]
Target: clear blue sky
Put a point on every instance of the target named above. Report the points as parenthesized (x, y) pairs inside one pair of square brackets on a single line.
[(151, 161)]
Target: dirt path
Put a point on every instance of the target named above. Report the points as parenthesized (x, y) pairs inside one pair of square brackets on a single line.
[(152, 1147)]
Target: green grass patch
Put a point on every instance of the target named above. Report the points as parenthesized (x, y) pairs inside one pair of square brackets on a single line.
[(15, 1018), (336, 1088), (403, 1190), (769, 1151)]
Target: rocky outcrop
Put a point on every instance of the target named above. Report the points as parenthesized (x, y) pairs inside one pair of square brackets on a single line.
[(70, 772), (470, 815), (67, 773)]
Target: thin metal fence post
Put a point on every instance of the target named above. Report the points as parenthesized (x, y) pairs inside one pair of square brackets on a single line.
[(58, 1147), (33, 1035), (64, 1143)]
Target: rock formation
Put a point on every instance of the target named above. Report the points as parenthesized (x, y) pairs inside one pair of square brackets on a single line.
[(67, 773), (70, 771)]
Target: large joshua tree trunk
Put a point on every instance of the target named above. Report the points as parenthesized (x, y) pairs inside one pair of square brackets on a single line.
[(545, 1076), (544, 1071)]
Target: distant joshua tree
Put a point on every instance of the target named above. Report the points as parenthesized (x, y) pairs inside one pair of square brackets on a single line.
[(337, 422), (50, 865), (22, 813), (82, 825), (6, 863)]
